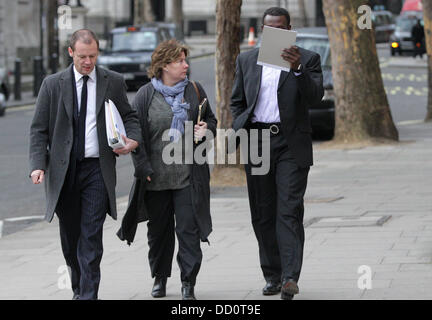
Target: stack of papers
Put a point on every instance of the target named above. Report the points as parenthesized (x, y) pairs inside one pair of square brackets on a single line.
[(114, 126), (274, 40)]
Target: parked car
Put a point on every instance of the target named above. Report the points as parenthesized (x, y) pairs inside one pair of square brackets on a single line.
[(322, 115), (129, 51), (401, 40), (4, 90), (174, 30), (383, 24)]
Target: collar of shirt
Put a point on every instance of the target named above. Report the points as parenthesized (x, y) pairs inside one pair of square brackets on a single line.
[(78, 76)]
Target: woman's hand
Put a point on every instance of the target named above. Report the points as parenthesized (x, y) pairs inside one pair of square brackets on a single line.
[(200, 130)]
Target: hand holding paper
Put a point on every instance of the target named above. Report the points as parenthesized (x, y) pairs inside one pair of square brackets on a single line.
[(292, 55), (129, 146), (116, 133)]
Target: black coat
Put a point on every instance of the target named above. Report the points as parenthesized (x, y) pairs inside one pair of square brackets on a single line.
[(295, 95), (199, 173)]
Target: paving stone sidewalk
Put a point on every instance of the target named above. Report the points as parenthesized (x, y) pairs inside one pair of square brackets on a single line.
[(348, 192)]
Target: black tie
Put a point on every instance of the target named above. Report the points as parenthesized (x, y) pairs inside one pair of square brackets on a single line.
[(82, 120)]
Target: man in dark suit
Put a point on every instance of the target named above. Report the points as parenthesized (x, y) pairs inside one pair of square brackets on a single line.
[(267, 98), (69, 149)]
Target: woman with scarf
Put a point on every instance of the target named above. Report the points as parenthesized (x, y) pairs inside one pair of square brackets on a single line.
[(169, 191)]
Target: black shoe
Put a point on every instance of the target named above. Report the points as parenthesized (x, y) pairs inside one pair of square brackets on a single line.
[(159, 288), (289, 289), (75, 296), (271, 288), (187, 291)]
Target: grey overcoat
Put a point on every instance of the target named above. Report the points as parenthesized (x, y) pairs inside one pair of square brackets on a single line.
[(51, 132)]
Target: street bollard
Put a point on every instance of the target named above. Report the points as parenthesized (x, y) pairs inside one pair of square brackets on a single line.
[(54, 63), (38, 74), (17, 82)]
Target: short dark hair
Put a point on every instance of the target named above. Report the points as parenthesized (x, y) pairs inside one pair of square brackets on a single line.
[(84, 35), (277, 11)]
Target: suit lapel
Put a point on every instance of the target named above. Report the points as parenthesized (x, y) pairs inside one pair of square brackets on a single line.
[(66, 86), (283, 76), (101, 88)]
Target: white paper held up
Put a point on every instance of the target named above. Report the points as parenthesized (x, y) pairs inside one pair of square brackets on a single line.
[(274, 40), (114, 126)]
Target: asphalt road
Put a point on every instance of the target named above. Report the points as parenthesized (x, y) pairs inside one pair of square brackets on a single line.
[(406, 90)]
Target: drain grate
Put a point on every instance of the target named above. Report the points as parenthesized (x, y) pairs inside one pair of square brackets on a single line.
[(353, 221)]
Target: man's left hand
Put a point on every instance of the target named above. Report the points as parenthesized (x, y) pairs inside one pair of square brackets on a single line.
[(292, 55), (130, 146)]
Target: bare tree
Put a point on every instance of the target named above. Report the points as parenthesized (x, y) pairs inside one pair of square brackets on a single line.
[(227, 50), (362, 109), (177, 15), (143, 10), (148, 11), (427, 17), (303, 14)]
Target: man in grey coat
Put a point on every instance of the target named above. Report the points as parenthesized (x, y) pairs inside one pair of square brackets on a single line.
[(69, 151)]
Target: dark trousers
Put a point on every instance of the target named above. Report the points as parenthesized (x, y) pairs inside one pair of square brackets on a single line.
[(82, 210), (276, 203), (170, 213)]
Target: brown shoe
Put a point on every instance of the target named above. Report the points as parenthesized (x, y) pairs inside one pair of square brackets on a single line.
[(289, 289)]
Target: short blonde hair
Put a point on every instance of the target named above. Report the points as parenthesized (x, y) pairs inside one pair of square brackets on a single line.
[(165, 53)]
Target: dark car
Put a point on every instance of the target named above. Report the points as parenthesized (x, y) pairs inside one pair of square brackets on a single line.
[(322, 115), (383, 24), (129, 51), (174, 30), (401, 40)]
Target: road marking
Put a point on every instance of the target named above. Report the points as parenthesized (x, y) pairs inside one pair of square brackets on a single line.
[(25, 218), (21, 108), (1, 228), (412, 77), (408, 122), (406, 91)]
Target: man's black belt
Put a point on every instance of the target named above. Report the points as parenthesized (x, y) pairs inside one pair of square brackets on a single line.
[(88, 160), (274, 128)]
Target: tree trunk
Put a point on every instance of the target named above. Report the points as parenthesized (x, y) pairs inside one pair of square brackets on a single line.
[(177, 13), (427, 17), (143, 11), (302, 9), (227, 50), (362, 109), (148, 14), (137, 13)]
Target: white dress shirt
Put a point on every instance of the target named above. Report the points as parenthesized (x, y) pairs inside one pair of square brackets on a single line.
[(267, 109), (91, 138)]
